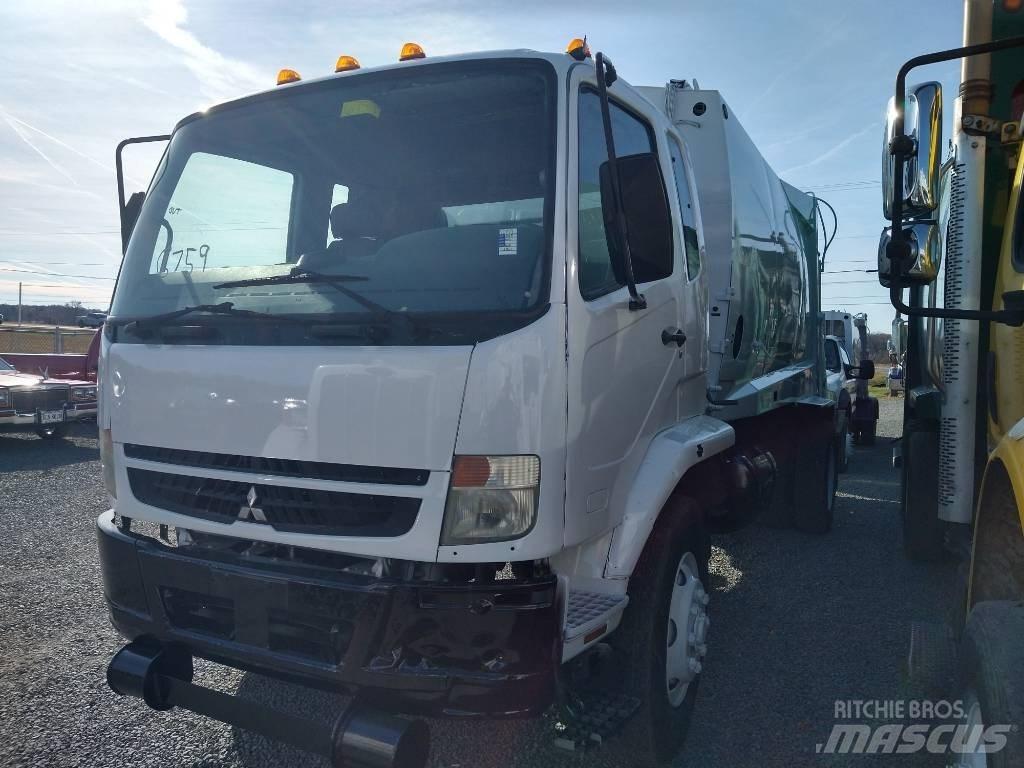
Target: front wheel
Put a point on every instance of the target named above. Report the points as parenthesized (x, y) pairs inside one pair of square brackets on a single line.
[(923, 532), (662, 640), (991, 683), (843, 451), (817, 477)]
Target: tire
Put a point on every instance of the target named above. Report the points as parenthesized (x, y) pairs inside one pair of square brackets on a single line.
[(52, 432), (815, 489), (678, 545), (991, 678), (869, 433), (843, 449), (923, 533)]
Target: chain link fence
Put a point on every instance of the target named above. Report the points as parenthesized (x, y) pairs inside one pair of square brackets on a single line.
[(45, 340)]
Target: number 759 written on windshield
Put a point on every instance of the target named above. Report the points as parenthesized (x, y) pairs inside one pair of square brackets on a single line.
[(185, 256)]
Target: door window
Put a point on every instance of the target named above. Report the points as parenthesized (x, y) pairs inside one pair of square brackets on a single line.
[(832, 356), (685, 209), (632, 137)]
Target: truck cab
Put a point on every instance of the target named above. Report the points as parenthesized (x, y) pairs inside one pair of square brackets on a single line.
[(405, 392)]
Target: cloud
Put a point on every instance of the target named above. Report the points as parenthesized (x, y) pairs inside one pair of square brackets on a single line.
[(811, 54), (833, 151), (220, 77), (49, 160)]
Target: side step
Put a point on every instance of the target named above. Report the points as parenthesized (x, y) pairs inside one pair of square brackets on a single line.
[(358, 738), (590, 616)]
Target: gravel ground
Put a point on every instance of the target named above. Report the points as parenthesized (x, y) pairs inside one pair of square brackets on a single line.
[(798, 622)]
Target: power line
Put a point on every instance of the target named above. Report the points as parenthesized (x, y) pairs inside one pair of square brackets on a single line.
[(58, 263), (41, 233), (53, 274)]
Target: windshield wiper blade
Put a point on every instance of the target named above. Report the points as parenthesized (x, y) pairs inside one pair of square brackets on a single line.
[(297, 275), (302, 275), (224, 308)]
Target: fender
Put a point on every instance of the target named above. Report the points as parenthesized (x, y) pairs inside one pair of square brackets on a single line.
[(1010, 451), (670, 455), (998, 548)]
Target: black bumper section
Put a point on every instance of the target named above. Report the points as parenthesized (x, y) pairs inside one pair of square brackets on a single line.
[(357, 738), (440, 649)]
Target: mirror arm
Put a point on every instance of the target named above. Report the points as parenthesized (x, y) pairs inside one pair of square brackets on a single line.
[(606, 75), (119, 166), (901, 147)]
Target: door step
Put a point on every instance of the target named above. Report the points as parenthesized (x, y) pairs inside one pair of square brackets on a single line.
[(590, 616), (592, 718)]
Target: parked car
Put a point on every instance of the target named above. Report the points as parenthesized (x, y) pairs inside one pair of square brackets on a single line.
[(92, 319), (33, 402)]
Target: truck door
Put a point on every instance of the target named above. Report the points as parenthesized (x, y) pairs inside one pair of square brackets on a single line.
[(623, 375), (693, 306)]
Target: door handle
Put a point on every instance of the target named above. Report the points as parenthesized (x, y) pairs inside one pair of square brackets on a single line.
[(673, 336)]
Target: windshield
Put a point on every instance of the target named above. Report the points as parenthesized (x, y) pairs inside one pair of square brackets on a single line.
[(5, 366), (431, 185)]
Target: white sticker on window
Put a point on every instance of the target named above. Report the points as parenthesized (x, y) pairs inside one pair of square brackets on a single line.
[(508, 242)]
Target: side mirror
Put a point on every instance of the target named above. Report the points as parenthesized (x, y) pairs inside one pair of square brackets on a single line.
[(924, 251), (923, 124), (898, 338), (865, 371), (129, 216), (647, 214)]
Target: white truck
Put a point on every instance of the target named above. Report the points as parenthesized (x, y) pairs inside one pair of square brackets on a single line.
[(846, 341), (429, 383)]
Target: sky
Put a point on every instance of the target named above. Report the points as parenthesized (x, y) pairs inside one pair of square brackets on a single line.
[(809, 80)]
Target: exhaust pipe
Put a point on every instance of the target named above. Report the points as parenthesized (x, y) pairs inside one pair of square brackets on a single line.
[(358, 738), (373, 739)]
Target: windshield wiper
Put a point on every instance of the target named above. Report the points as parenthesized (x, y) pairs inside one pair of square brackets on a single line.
[(153, 321), (302, 275)]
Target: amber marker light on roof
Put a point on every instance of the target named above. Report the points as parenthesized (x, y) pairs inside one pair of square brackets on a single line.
[(411, 51), (288, 76), (578, 48), (346, 63)]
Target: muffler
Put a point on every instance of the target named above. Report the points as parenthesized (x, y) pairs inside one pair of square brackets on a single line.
[(358, 738)]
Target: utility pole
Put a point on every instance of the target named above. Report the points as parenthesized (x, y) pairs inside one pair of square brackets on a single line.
[(19, 304)]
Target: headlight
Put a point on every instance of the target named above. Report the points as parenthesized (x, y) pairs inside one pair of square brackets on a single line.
[(83, 394), (5, 397), (491, 498), (107, 460)]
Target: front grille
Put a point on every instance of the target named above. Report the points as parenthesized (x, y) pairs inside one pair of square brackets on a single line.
[(295, 510), (315, 470), (31, 399)]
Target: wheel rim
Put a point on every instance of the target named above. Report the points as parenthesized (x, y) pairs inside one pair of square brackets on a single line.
[(686, 635), (972, 722)]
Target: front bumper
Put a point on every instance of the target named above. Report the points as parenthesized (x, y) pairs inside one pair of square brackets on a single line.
[(72, 413), (436, 648)]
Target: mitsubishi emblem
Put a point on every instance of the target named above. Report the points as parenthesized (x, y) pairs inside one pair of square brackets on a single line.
[(250, 512)]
